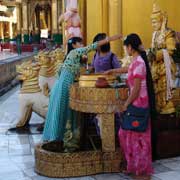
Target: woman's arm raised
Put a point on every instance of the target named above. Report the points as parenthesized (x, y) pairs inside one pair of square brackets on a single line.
[(81, 51), (109, 39)]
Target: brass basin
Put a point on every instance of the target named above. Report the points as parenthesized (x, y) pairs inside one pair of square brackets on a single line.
[(90, 79)]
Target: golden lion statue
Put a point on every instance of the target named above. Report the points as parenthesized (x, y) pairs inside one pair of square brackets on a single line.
[(37, 80), (31, 98)]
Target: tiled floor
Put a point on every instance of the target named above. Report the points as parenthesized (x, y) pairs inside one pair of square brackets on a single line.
[(16, 151), (5, 55)]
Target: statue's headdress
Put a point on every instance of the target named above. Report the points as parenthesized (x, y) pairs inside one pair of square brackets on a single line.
[(157, 12)]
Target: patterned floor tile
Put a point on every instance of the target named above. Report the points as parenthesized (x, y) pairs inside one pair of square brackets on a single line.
[(175, 165), (45, 178), (9, 168), (160, 168), (171, 175), (108, 176), (81, 178), (22, 159), (30, 172), (18, 175)]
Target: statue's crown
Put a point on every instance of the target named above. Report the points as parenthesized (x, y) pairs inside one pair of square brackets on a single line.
[(157, 12)]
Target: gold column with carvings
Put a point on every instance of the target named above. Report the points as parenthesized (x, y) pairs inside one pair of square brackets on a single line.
[(108, 132)]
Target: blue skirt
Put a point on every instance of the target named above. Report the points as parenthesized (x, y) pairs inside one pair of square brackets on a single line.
[(58, 109)]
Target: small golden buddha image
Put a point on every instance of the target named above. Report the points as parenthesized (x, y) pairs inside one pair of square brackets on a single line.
[(163, 66)]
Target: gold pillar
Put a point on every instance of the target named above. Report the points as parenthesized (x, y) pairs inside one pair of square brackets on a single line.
[(60, 11), (63, 28), (82, 13), (2, 30), (115, 9), (105, 16), (54, 16), (35, 21), (94, 22), (42, 20), (10, 30), (25, 22), (29, 17), (25, 17), (94, 19), (18, 19), (49, 20)]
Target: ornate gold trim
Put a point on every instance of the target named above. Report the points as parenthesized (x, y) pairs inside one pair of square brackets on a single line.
[(76, 164)]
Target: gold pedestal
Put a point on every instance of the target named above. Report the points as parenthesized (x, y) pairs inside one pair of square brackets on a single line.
[(83, 163), (90, 80), (103, 102)]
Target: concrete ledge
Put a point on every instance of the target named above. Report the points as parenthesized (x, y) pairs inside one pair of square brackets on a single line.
[(8, 72)]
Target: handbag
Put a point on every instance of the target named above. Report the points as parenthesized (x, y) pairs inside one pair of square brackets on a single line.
[(135, 118)]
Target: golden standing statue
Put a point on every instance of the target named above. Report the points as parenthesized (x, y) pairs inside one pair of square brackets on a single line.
[(163, 67)]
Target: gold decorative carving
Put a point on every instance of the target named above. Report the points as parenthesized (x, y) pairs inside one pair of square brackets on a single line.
[(90, 80), (163, 40), (76, 164), (105, 103), (82, 163), (108, 133), (96, 100), (31, 97), (28, 73)]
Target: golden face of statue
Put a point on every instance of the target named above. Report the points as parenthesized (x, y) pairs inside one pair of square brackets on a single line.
[(156, 24), (27, 71), (45, 61)]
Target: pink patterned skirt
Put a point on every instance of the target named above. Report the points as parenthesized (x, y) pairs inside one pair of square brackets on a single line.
[(137, 150)]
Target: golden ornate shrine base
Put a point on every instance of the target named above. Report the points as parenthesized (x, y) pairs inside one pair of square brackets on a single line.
[(56, 164)]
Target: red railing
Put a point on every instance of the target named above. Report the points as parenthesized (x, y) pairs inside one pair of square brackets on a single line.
[(24, 47)]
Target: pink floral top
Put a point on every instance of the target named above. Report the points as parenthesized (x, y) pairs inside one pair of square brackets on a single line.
[(137, 69)]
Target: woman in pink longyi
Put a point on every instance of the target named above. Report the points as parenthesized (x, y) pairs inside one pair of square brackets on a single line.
[(136, 146)]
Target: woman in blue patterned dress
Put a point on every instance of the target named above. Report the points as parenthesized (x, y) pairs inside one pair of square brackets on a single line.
[(58, 109)]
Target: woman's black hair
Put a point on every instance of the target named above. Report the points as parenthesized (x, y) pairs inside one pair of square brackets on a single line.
[(104, 48), (136, 44), (72, 41)]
